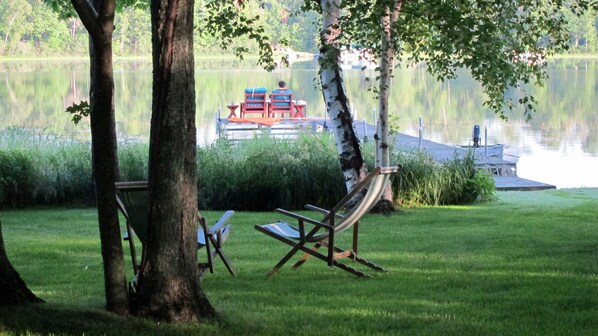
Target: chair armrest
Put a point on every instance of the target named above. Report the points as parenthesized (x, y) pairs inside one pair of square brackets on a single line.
[(220, 224), (324, 211), (304, 218)]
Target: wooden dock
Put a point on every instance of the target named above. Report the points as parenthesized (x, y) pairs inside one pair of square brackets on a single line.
[(502, 166), (505, 183)]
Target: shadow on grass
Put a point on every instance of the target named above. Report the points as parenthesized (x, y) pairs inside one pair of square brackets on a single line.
[(48, 319)]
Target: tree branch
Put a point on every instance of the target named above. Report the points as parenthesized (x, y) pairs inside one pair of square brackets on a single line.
[(89, 17)]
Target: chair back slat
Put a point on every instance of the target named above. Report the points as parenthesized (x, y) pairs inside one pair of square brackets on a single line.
[(255, 102), (281, 103)]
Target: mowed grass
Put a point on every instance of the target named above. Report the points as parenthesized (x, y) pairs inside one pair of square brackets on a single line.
[(526, 264)]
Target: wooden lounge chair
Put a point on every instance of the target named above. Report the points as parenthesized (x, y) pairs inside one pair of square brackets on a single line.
[(254, 102), (132, 200), (281, 103), (322, 233)]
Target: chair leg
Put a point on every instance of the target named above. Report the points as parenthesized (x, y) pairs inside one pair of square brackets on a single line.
[(314, 253), (368, 263), (353, 256), (226, 262), (228, 265), (215, 242), (351, 270), (306, 256), (284, 259)]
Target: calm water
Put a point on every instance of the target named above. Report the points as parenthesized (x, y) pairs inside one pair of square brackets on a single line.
[(559, 146)]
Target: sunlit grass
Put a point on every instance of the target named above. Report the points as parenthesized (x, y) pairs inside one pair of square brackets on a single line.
[(526, 264)]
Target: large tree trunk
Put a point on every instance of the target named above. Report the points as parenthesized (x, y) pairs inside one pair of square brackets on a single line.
[(335, 97), (169, 287), (13, 290), (99, 23), (105, 171)]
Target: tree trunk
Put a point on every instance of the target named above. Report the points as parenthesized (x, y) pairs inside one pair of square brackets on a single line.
[(335, 97), (169, 287), (105, 170), (100, 24), (385, 204), (13, 290)]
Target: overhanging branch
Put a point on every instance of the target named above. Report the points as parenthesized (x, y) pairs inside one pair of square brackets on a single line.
[(89, 17)]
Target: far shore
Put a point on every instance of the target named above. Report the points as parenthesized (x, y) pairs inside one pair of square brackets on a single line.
[(199, 57)]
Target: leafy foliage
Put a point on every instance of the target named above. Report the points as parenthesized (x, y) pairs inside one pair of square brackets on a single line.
[(65, 9), (487, 38), (228, 21), (79, 111)]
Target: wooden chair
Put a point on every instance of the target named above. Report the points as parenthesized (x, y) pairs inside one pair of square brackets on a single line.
[(281, 102), (254, 102), (322, 233), (132, 200)]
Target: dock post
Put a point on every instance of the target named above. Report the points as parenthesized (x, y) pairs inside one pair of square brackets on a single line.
[(365, 131), (486, 140), (421, 130)]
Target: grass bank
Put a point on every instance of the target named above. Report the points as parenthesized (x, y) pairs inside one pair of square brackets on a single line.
[(526, 264)]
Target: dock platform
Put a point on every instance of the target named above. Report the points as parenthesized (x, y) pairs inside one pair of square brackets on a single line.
[(505, 183), (502, 165)]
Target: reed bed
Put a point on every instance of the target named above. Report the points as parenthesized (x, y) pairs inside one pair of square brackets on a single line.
[(259, 174)]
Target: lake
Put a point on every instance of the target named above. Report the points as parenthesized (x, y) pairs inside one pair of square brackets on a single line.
[(558, 146)]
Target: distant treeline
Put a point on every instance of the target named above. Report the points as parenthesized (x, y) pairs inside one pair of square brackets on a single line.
[(31, 28)]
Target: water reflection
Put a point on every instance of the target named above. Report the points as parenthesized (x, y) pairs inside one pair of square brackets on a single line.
[(558, 146)]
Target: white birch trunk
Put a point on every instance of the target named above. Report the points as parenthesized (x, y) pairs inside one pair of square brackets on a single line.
[(387, 57), (335, 98)]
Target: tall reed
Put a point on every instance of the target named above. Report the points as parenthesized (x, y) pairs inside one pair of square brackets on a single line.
[(264, 173), (40, 168), (424, 181), (256, 174)]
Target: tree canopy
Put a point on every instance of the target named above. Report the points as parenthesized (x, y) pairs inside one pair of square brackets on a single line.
[(502, 43)]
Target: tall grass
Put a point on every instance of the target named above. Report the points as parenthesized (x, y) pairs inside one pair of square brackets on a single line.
[(424, 181), (263, 174), (39, 168), (257, 174)]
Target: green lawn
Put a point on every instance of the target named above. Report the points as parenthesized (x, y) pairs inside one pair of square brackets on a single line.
[(524, 265)]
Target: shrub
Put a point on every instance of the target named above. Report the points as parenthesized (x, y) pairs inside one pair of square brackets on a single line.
[(424, 181)]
